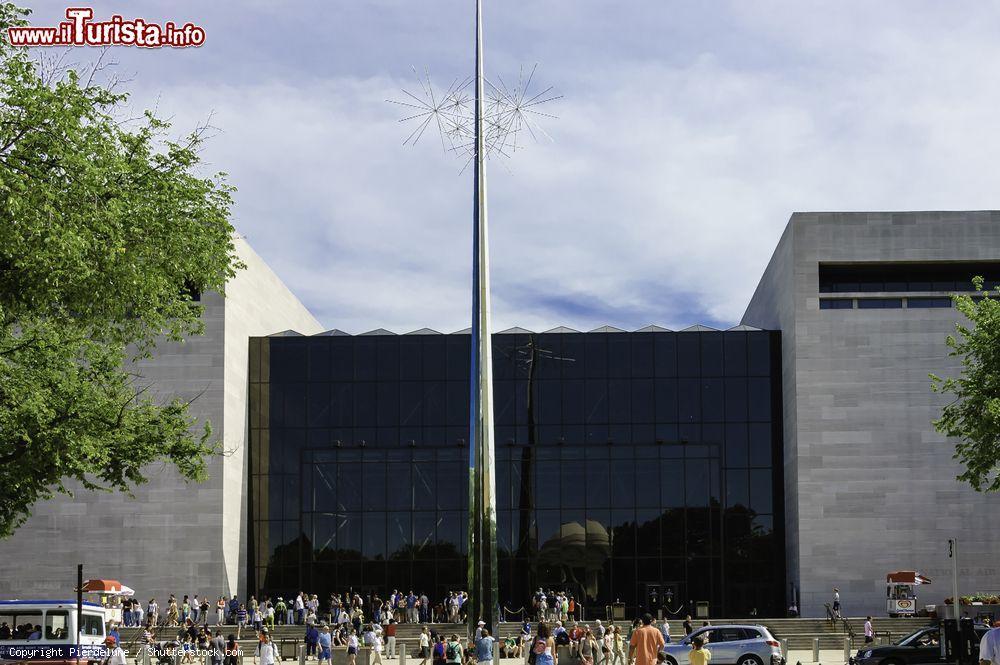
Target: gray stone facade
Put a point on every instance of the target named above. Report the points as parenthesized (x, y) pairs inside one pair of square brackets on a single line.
[(869, 486), (172, 537)]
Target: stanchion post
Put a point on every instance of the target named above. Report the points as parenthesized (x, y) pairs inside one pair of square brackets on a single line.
[(815, 649)]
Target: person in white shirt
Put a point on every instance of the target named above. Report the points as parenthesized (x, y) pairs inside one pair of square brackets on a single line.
[(352, 648), (425, 645), (989, 648), (300, 609), (869, 631), (664, 630), (376, 647), (266, 650)]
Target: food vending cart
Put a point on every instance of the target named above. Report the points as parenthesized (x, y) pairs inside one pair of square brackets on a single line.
[(901, 592), (110, 594)]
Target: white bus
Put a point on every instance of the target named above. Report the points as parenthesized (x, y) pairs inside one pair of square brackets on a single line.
[(45, 630)]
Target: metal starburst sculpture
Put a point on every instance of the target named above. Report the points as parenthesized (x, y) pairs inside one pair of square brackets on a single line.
[(510, 114)]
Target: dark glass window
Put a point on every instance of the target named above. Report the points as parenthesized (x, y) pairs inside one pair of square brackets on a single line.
[(711, 354), (920, 303), (735, 349), (836, 303), (689, 400), (688, 355), (880, 303), (712, 400), (901, 276), (648, 456), (642, 355)]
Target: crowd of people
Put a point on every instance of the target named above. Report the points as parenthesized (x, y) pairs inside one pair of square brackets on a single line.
[(554, 605), (303, 609), (355, 621)]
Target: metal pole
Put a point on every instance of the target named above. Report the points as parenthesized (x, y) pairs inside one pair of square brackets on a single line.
[(815, 649), (953, 555), (482, 573), (79, 607)]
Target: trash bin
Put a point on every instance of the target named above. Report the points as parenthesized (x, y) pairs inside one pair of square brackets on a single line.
[(617, 611), (701, 609), (288, 649)]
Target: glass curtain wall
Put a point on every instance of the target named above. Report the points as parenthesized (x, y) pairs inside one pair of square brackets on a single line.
[(641, 468)]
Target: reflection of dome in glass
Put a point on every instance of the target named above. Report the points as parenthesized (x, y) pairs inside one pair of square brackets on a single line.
[(575, 547)]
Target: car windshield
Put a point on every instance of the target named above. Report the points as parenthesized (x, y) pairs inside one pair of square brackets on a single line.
[(922, 637)]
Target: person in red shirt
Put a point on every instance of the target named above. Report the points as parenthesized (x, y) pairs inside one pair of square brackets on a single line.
[(390, 639), (575, 635)]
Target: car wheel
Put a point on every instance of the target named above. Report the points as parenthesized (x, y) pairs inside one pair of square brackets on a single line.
[(891, 661), (749, 660), (669, 660)]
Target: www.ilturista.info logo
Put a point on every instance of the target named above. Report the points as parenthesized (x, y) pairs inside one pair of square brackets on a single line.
[(79, 30)]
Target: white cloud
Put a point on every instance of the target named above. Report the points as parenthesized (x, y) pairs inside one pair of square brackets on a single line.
[(676, 160)]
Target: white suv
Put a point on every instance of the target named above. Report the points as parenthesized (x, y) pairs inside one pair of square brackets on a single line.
[(730, 645)]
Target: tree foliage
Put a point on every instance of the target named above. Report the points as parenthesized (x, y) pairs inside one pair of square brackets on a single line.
[(973, 418), (106, 230)]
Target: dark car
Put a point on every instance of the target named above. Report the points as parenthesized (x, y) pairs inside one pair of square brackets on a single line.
[(922, 646)]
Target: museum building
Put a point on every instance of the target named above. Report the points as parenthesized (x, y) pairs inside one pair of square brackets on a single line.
[(746, 468)]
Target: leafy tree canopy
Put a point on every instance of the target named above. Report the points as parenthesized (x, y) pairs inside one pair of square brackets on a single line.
[(973, 418), (106, 231)]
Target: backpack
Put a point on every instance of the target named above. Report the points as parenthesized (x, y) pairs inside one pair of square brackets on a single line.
[(452, 652), (439, 650)]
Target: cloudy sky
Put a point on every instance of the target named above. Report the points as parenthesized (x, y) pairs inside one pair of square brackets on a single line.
[(687, 134)]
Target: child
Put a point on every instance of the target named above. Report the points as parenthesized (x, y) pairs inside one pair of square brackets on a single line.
[(699, 655)]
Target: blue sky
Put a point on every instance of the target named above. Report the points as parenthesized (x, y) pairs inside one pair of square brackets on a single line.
[(687, 134)]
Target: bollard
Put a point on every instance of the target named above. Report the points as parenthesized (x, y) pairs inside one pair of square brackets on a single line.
[(302, 654), (401, 647), (496, 651), (815, 649), (145, 655), (847, 649), (784, 650), (177, 655)]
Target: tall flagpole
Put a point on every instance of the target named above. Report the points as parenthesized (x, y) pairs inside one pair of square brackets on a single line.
[(482, 556)]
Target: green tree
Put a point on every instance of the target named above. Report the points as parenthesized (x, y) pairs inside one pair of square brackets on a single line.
[(973, 418), (106, 231)]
